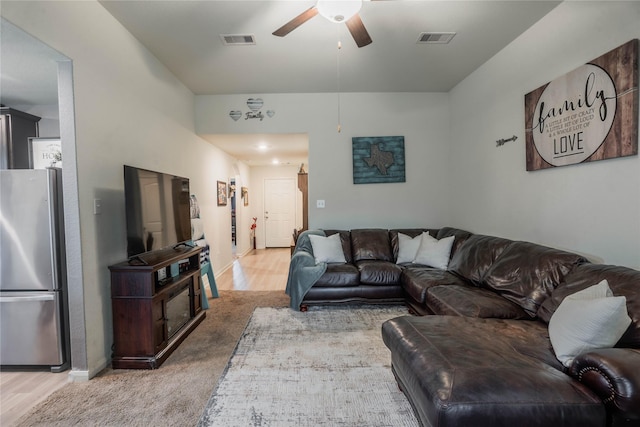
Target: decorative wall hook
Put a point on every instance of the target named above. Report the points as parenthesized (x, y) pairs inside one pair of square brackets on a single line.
[(503, 141)]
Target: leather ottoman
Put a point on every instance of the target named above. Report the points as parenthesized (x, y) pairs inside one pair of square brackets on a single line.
[(461, 371)]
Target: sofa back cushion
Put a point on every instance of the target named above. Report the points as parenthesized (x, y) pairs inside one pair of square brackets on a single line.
[(371, 244), (345, 238), (527, 273), (476, 255), (622, 281), (460, 236)]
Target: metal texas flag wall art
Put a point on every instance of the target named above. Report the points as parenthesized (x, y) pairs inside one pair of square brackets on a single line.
[(586, 115), (378, 159)]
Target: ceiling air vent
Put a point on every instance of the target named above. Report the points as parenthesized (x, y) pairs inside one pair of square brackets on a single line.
[(435, 38), (238, 39)]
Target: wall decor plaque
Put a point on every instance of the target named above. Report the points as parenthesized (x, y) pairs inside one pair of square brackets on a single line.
[(378, 159), (589, 114)]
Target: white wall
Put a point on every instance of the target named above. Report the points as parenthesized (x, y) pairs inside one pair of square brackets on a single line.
[(591, 208), (422, 118), (129, 110)]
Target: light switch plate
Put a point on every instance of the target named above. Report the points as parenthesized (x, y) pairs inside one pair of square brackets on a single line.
[(97, 206), (320, 204)]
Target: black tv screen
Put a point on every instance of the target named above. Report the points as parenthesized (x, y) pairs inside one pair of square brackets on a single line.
[(157, 210)]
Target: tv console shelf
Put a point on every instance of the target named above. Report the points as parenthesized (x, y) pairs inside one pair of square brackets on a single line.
[(153, 309)]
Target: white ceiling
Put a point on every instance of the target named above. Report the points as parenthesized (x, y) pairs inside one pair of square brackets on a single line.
[(185, 35)]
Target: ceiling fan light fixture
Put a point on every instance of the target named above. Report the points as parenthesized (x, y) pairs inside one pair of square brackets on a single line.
[(338, 11)]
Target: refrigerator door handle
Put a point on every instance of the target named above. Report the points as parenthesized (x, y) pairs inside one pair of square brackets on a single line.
[(27, 298)]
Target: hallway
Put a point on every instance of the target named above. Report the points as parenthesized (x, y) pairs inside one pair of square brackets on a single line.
[(259, 270)]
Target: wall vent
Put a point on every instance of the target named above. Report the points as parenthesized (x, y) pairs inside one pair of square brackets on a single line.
[(435, 38), (238, 39)]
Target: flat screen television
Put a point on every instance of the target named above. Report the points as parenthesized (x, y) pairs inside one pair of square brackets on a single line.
[(157, 210)]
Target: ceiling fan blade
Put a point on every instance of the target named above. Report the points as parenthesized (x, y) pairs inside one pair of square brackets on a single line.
[(296, 22), (358, 31)]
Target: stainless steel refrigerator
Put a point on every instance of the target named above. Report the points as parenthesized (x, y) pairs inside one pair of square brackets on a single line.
[(33, 307)]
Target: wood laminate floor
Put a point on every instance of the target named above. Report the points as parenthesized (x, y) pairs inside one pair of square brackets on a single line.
[(259, 270)]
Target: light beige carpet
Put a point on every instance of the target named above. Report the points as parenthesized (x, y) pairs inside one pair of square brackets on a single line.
[(173, 395), (325, 367)]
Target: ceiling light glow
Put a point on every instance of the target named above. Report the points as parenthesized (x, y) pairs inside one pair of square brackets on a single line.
[(338, 11)]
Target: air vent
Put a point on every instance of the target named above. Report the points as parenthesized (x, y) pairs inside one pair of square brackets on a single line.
[(435, 38), (238, 39)]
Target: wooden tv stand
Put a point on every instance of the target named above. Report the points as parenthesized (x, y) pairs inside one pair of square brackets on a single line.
[(153, 309)]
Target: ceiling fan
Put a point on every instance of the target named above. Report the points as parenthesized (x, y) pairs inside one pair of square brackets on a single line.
[(335, 11)]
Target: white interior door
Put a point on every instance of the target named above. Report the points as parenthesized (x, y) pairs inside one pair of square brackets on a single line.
[(279, 211)]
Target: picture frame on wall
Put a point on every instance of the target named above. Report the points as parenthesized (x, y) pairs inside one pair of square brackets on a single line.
[(245, 196), (222, 193), (588, 114), (45, 152), (378, 159)]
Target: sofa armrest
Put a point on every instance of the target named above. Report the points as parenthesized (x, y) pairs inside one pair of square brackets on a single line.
[(614, 375)]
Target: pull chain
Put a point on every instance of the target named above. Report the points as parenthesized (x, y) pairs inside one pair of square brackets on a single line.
[(338, 74)]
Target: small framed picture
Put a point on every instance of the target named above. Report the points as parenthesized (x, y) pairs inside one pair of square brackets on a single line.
[(45, 152), (222, 193), (245, 195)]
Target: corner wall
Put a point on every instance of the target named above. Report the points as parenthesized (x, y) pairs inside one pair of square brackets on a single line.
[(591, 208)]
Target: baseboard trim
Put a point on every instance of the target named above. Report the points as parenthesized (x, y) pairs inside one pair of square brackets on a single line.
[(76, 376)]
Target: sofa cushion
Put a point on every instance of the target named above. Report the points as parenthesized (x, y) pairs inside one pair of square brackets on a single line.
[(338, 275), (416, 281), (461, 371), (433, 252), (345, 238), (327, 248), (411, 232), (527, 273), (374, 272), (460, 236), (476, 255), (408, 247), (589, 319), (470, 301), (371, 244), (622, 281)]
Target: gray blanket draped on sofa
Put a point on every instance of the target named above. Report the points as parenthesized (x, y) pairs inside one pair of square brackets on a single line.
[(303, 270)]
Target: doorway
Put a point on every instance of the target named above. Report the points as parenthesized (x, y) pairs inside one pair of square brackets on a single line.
[(279, 211)]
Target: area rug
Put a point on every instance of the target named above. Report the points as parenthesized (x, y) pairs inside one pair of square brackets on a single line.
[(327, 366)]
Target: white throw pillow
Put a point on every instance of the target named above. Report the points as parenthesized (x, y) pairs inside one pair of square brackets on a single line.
[(408, 247), (589, 319), (434, 252), (327, 249)]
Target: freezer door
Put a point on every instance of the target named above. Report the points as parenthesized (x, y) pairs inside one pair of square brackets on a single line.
[(29, 230), (30, 332)]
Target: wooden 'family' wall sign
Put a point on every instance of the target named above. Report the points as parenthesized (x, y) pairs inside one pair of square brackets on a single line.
[(588, 114)]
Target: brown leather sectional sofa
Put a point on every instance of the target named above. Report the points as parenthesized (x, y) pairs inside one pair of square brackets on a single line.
[(480, 354)]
